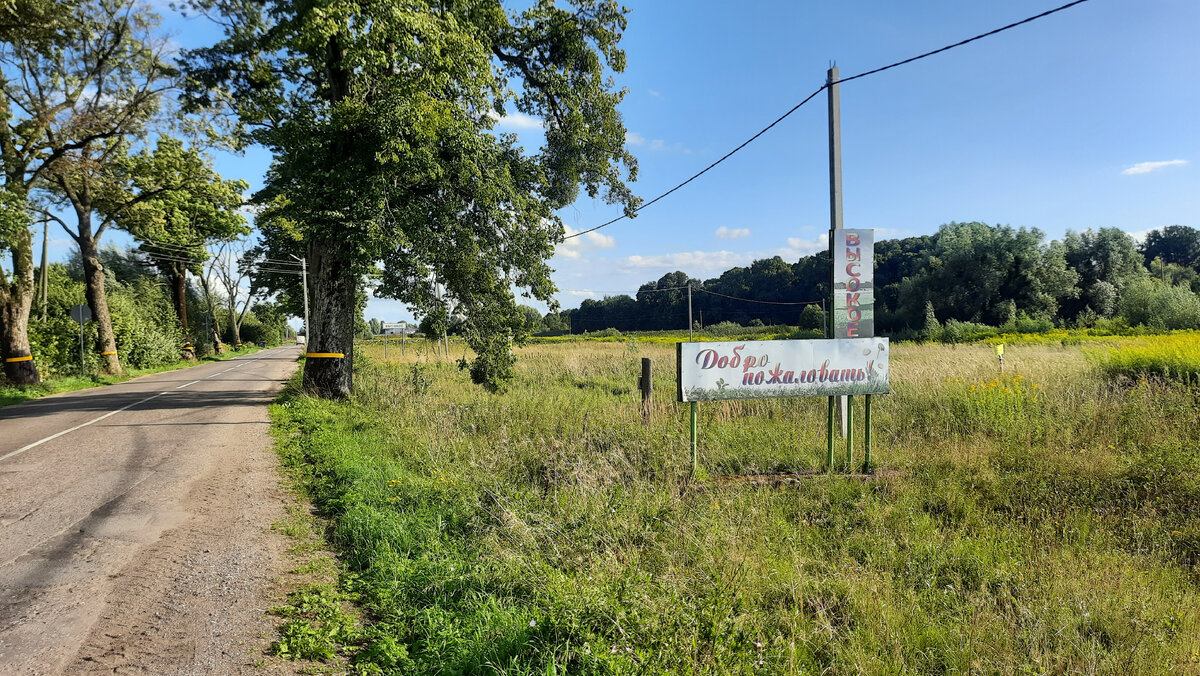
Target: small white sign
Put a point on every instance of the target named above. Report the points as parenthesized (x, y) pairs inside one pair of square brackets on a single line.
[(782, 368)]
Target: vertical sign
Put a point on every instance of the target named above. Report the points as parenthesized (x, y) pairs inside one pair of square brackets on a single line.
[(853, 283)]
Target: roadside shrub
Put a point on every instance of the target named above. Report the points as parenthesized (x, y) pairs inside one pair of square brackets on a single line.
[(147, 332)]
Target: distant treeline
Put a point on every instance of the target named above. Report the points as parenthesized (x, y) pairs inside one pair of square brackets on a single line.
[(966, 272)]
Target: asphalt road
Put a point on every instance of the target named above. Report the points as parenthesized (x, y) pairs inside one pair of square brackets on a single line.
[(134, 522)]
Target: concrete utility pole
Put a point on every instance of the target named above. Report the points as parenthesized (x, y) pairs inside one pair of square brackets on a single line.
[(307, 326), (835, 223), (835, 153)]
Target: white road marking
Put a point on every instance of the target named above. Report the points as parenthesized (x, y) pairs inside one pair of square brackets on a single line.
[(112, 413), (68, 431)]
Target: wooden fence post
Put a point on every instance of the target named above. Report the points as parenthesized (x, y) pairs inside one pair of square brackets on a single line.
[(646, 385)]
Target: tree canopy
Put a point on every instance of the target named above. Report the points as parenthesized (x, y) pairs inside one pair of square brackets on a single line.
[(381, 119)]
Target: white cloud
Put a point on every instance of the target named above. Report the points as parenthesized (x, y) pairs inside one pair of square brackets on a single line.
[(587, 293), (706, 263), (1147, 167), (600, 240), (576, 246), (1138, 236), (732, 233), (797, 247), (655, 94), (688, 261), (632, 138), (518, 121)]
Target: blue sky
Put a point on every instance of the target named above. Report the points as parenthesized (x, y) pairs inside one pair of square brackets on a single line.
[(1084, 119)]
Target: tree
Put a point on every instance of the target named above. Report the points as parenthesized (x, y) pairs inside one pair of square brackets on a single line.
[(190, 206), (42, 48), (376, 327), (974, 268), (1107, 261), (123, 76), (380, 116), (532, 320), (1178, 244), (931, 327), (232, 263), (556, 322)]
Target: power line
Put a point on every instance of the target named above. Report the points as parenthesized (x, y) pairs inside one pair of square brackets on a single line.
[(764, 302), (175, 247), (823, 88), (947, 48), (256, 267)]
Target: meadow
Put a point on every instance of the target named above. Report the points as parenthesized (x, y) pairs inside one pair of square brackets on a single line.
[(1043, 519)]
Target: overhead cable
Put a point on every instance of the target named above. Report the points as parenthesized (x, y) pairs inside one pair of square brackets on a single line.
[(764, 302), (823, 88)]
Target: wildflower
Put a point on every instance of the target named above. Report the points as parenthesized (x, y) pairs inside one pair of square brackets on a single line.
[(533, 623)]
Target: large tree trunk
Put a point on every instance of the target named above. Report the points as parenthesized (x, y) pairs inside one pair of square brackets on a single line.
[(97, 299), (331, 282), (333, 290), (16, 298), (178, 279)]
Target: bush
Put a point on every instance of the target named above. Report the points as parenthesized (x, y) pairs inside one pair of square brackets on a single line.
[(965, 332), (1151, 303), (812, 317), (1026, 324), (144, 325), (147, 332)]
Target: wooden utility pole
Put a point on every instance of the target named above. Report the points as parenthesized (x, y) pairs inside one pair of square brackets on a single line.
[(44, 282)]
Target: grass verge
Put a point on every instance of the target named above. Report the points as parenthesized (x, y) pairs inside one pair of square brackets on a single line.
[(1043, 521)]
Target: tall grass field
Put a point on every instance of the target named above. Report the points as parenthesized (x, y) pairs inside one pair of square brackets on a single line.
[(1043, 519)]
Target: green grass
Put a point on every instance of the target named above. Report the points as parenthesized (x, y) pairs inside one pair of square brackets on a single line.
[(15, 394), (1043, 521)]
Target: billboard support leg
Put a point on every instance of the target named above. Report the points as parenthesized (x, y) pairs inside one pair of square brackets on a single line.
[(849, 434), (829, 437), (695, 455), (867, 434)]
